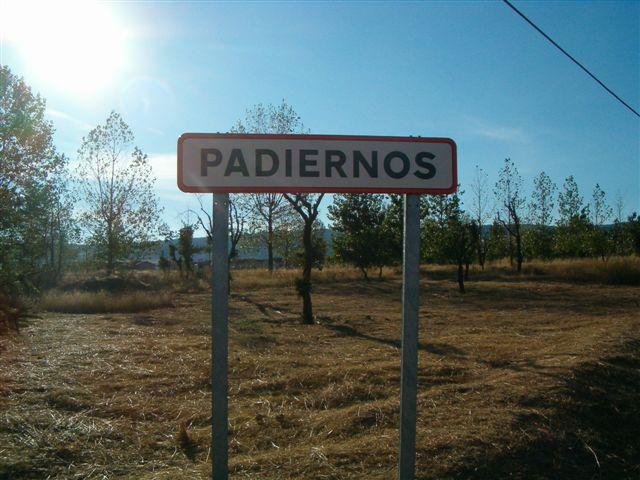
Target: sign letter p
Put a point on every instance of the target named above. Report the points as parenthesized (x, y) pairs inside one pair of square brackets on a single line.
[(205, 163)]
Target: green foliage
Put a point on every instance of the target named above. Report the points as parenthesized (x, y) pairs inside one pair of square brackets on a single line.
[(538, 237), (573, 239), (633, 231), (450, 236), (538, 241), (570, 202), (117, 184), (497, 242), (360, 238), (574, 229), (441, 218), (35, 206), (392, 225), (542, 201)]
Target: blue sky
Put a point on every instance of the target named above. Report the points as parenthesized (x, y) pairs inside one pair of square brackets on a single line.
[(472, 71)]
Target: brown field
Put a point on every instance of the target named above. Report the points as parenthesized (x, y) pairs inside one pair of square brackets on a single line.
[(522, 377)]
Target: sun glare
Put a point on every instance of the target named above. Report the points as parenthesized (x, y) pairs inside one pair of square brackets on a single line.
[(76, 46)]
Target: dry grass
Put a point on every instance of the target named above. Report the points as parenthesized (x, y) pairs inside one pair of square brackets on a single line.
[(519, 378), (247, 279), (615, 271), (103, 302)]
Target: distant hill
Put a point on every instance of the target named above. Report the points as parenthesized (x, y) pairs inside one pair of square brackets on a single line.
[(249, 249)]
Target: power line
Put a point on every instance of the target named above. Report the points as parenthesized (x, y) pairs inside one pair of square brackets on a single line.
[(570, 57)]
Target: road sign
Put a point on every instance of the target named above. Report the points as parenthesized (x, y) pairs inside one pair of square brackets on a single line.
[(315, 163), (224, 163)]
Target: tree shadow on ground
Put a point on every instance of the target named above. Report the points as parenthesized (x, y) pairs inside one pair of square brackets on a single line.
[(437, 348), (592, 433)]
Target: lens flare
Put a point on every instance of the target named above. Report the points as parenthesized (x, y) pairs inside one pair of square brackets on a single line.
[(76, 46)]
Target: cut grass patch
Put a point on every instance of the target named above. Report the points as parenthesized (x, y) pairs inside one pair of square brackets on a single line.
[(104, 302)]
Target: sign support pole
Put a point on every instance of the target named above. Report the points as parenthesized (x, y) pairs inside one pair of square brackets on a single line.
[(409, 368), (219, 336)]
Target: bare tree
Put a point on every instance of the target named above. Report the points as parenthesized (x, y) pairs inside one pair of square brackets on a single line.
[(269, 209), (238, 213), (287, 235), (118, 187), (508, 191), (307, 207), (619, 208), (600, 211), (480, 211)]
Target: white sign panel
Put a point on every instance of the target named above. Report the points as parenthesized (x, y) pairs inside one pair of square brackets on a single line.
[(315, 163)]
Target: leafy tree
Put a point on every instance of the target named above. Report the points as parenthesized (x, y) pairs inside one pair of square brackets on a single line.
[(620, 241), (508, 191), (573, 225), (449, 234), (539, 238), (318, 248), (458, 245), (498, 242), (436, 214), (358, 220), (35, 213), (117, 185), (570, 202), (633, 231), (392, 225)]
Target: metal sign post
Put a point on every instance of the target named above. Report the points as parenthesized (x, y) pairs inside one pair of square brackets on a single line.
[(409, 365), (219, 336), (249, 163)]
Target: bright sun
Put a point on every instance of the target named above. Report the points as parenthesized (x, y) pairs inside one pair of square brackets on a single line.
[(77, 46)]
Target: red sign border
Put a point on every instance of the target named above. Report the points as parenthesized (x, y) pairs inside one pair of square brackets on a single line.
[(427, 191)]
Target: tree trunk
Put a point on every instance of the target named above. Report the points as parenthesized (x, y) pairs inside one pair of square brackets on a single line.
[(305, 284), (60, 251), (510, 250), (270, 245), (466, 271), (519, 248), (380, 272), (364, 273), (110, 260), (460, 277)]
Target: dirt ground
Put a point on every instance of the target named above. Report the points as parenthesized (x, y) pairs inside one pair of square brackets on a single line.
[(518, 379)]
